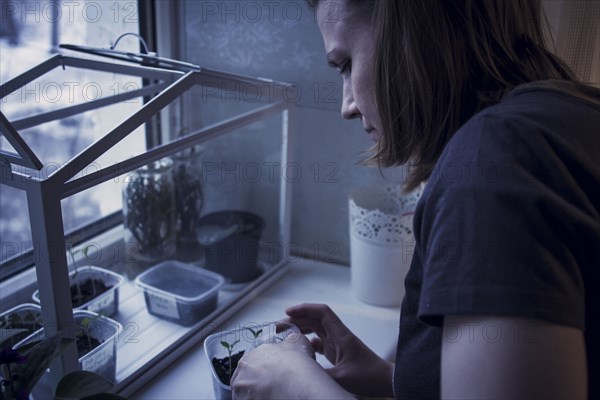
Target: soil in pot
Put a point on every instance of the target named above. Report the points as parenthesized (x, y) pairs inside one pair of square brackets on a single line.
[(86, 343), (87, 290), (29, 320), (221, 366)]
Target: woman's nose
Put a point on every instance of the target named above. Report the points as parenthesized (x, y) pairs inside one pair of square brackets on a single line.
[(349, 108)]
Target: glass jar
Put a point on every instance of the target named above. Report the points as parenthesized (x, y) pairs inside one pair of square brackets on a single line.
[(149, 215), (189, 200)]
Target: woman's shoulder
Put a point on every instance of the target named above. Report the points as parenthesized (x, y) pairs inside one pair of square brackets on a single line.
[(535, 115), (534, 135)]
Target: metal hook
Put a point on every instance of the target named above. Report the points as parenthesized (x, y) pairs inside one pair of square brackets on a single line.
[(142, 41)]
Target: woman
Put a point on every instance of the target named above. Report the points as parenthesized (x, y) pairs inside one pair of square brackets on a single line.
[(501, 292)]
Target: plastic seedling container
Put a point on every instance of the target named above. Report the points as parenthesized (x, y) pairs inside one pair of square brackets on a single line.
[(103, 332), (26, 317), (99, 299), (231, 243), (224, 349), (180, 292)]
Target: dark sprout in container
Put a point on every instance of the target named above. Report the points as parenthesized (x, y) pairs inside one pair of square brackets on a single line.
[(189, 200), (149, 214)]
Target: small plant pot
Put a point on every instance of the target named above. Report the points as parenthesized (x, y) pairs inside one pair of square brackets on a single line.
[(26, 317), (231, 243), (98, 290), (243, 339), (99, 354), (179, 292)]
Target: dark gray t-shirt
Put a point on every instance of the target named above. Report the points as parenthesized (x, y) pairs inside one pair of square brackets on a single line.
[(509, 224)]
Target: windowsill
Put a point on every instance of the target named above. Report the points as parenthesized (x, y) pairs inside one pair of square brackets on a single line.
[(142, 344), (306, 281)]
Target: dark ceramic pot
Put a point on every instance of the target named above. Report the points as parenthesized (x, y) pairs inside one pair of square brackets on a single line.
[(231, 244)]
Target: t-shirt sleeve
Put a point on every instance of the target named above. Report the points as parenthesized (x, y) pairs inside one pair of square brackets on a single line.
[(497, 231)]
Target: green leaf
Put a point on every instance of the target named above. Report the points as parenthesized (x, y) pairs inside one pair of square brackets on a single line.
[(225, 344), (79, 384), (86, 249), (256, 334)]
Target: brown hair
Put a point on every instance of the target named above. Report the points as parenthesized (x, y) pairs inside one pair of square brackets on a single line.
[(438, 62)]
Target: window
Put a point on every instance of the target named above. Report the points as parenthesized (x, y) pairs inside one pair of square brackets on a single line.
[(30, 33), (233, 178)]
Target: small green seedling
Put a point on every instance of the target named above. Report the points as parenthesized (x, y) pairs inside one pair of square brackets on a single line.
[(85, 324), (255, 333), (229, 348), (85, 250)]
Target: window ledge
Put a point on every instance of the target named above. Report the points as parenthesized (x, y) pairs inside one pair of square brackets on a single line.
[(147, 343), (306, 281)]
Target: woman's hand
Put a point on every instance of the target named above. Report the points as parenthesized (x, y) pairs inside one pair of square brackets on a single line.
[(355, 367), (285, 370)]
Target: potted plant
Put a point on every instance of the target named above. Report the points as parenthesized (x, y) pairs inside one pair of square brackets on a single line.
[(231, 243), (22, 368), (18, 323), (93, 289), (189, 201), (149, 215), (224, 350), (96, 337)]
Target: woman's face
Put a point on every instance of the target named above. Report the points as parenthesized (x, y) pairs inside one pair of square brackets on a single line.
[(348, 38)]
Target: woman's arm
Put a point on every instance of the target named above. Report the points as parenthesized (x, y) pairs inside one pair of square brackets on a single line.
[(355, 366), (508, 358)]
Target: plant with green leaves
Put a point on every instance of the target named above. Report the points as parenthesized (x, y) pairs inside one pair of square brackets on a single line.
[(255, 333), (18, 324), (149, 210), (85, 385), (85, 325), (229, 347), (22, 368), (85, 251), (83, 330)]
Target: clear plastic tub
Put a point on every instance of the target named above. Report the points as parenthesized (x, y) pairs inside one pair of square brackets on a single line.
[(105, 303), (24, 316), (179, 292), (102, 359), (242, 340)]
